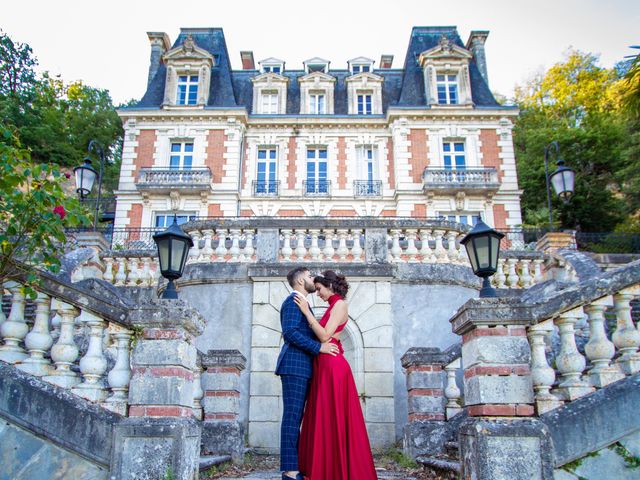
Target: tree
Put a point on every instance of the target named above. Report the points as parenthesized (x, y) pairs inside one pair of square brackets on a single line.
[(34, 212), (577, 103)]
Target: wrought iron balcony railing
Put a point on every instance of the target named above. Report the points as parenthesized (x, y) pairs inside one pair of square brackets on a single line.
[(367, 188), (316, 188), (266, 188), (450, 181), (159, 179)]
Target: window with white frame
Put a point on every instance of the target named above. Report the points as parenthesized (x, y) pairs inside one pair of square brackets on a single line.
[(367, 160), (465, 218), (266, 170), (269, 102), (447, 87), (181, 157), (361, 68), (317, 103), (453, 155), (187, 90), (164, 220), (364, 103), (317, 181), (272, 69)]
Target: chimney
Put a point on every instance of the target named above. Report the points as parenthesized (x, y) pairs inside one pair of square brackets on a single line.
[(386, 61), (159, 45), (475, 44), (247, 61)]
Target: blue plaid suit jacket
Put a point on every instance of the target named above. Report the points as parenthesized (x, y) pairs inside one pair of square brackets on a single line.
[(300, 343)]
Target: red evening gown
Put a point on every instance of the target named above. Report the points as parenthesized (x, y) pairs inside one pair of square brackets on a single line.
[(333, 442)]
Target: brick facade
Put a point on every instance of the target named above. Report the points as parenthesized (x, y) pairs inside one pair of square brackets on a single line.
[(419, 153)]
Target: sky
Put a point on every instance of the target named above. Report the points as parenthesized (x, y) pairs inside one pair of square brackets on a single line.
[(105, 45)]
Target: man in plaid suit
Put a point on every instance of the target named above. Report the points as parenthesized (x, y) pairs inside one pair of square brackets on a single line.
[(295, 367)]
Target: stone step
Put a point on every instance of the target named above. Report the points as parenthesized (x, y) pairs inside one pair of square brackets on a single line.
[(439, 463), (208, 461), (276, 475)]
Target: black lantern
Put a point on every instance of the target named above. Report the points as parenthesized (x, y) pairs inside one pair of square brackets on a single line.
[(562, 180), (173, 248), (483, 247), (86, 177)]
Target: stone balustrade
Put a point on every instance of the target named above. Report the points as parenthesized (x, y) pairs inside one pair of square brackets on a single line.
[(603, 359), (131, 268), (518, 269), (68, 347)]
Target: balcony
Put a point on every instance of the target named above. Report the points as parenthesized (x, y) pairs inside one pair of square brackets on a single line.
[(367, 188), (164, 180), (472, 180), (266, 188), (316, 188)]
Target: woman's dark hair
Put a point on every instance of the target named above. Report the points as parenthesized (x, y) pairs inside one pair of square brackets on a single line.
[(334, 281)]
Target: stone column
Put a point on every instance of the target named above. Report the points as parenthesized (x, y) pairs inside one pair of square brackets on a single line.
[(498, 440), (375, 245), (427, 432), (222, 433), (160, 396)]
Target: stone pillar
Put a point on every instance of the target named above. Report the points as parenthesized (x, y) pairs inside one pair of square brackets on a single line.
[(160, 396), (222, 433), (427, 432), (375, 245), (159, 45), (268, 245), (553, 241), (497, 440), (476, 45)]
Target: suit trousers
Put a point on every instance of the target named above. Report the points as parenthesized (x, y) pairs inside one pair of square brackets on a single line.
[(294, 395)]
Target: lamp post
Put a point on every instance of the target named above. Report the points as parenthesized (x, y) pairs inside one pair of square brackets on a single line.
[(86, 176), (173, 247), (483, 248), (562, 180)]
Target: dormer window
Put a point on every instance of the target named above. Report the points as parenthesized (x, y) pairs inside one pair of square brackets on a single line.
[(187, 90), (188, 75), (446, 74), (364, 91), (365, 103), (316, 94), (447, 86), (272, 69), (269, 101), (316, 65), (317, 102), (270, 91), (360, 65), (272, 65)]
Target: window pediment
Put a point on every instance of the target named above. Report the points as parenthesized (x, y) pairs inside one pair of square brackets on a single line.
[(269, 93), (444, 50), (188, 52), (364, 77), (316, 64), (317, 77), (268, 78)]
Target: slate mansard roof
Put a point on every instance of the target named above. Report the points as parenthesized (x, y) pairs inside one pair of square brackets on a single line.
[(401, 87)]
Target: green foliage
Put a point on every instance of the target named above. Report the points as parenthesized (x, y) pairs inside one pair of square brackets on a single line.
[(631, 461), (578, 104), (397, 456), (34, 211), (55, 120), (631, 95)]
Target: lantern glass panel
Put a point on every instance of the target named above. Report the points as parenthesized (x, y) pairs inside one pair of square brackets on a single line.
[(163, 252), (85, 177), (472, 256), (495, 250), (178, 247), (481, 246)]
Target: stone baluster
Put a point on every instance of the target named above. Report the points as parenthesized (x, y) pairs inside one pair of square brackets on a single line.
[(249, 249), (440, 253), (15, 328), (452, 391), (425, 249), (395, 251), (55, 322), (194, 252), (525, 276), (133, 277), (462, 252), (499, 278), (356, 249), (207, 248), (38, 341), (542, 375), (146, 277), (412, 251), (121, 274), (328, 250), (314, 249), (301, 250), (65, 352), (221, 249), (234, 251), (107, 275), (198, 393), (512, 275), (600, 350), (221, 402), (120, 375), (537, 270), (342, 250), (452, 250), (93, 364), (286, 246), (569, 361), (626, 338)]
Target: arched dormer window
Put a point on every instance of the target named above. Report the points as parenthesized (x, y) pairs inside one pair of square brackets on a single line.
[(446, 75), (188, 75)]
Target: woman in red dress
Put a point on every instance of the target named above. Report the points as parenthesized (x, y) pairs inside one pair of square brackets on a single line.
[(333, 441)]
